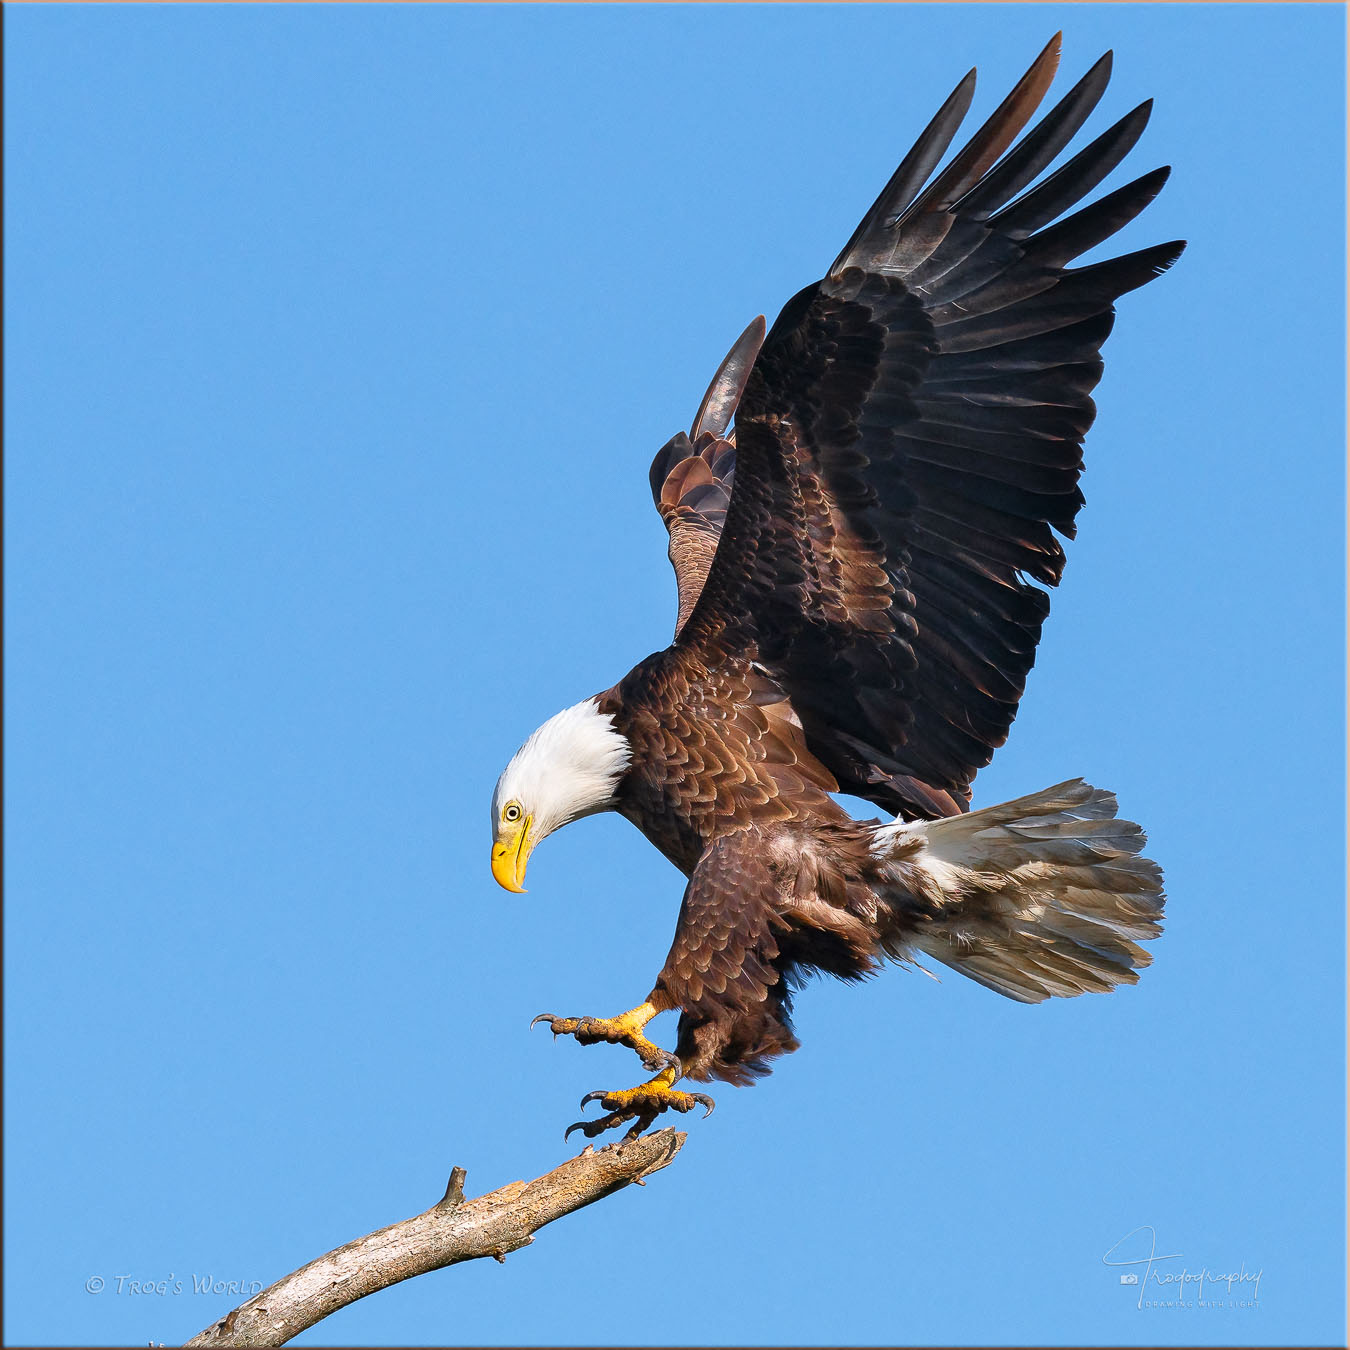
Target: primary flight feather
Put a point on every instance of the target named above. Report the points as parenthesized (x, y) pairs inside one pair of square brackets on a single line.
[(857, 564)]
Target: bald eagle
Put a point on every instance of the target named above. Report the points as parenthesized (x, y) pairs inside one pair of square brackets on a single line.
[(860, 567)]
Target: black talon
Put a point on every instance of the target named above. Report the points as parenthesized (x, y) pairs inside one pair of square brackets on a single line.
[(592, 1128), (703, 1100), (543, 1017), (592, 1097)]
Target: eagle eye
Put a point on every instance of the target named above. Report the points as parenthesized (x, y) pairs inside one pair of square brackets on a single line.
[(512, 813)]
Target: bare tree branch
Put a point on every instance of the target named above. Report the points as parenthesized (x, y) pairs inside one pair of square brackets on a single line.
[(453, 1229)]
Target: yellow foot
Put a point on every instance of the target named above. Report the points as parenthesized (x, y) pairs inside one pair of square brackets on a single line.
[(626, 1029), (644, 1102)]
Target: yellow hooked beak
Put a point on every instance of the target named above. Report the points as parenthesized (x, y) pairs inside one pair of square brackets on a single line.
[(509, 856)]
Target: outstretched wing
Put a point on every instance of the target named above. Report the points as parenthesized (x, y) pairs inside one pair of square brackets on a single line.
[(909, 441), (692, 475)]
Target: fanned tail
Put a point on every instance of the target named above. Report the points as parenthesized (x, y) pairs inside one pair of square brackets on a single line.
[(1040, 897)]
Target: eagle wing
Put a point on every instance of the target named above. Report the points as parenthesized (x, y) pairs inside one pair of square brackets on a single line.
[(909, 440), (692, 476)]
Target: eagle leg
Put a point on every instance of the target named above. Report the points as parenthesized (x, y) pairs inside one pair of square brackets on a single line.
[(625, 1029), (643, 1103)]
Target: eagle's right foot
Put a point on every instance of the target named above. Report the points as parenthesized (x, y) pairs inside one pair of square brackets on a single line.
[(626, 1029)]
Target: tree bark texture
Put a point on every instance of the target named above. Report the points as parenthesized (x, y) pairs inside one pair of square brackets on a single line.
[(452, 1230)]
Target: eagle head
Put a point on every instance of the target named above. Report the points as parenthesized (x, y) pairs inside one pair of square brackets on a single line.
[(569, 768)]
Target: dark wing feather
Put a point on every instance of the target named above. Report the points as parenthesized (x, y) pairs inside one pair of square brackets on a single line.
[(909, 447), (691, 476)]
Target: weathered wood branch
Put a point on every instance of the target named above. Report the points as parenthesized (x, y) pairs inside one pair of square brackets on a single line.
[(453, 1229)]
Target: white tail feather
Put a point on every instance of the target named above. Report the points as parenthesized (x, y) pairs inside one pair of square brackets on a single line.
[(1044, 896)]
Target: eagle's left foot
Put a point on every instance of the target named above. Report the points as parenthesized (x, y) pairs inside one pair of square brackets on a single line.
[(642, 1103)]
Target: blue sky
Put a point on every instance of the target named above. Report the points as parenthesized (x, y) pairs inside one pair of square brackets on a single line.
[(339, 342)]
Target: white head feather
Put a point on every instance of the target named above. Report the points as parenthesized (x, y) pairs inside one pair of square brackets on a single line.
[(568, 768)]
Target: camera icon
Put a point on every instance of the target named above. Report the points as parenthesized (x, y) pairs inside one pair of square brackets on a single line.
[(1131, 1278)]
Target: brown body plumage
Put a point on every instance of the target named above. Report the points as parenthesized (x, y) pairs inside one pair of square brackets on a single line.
[(856, 565), (785, 875)]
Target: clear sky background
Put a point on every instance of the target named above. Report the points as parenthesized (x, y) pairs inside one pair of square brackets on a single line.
[(339, 342)]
